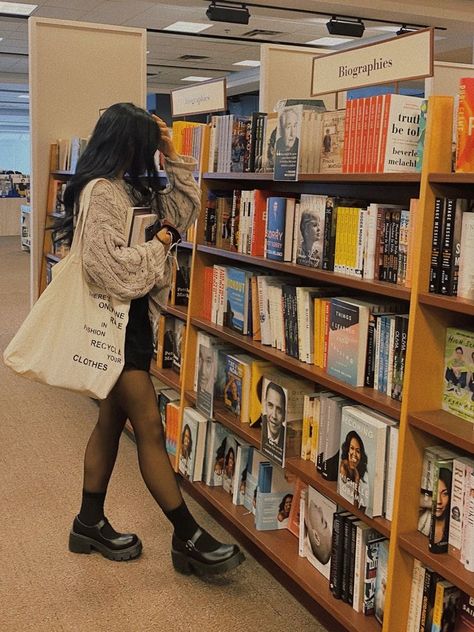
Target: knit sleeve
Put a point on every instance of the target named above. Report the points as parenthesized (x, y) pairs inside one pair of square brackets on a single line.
[(180, 201), (125, 272)]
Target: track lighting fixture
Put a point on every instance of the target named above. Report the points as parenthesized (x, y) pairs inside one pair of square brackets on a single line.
[(351, 27), (407, 29), (228, 12)]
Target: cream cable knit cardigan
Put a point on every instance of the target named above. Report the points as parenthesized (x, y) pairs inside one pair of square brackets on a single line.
[(131, 272)]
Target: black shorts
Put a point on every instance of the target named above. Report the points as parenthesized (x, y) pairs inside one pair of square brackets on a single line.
[(138, 336)]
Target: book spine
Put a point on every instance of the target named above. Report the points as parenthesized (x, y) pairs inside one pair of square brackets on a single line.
[(383, 132), (412, 623), (468, 530), (456, 509), (337, 556), (350, 587), (465, 140), (434, 279), (370, 354), (465, 287), (356, 596), (327, 242), (447, 241), (429, 588), (346, 564)]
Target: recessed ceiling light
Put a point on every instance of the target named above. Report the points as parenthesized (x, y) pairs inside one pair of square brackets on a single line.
[(330, 41), (247, 62), (187, 27), (193, 78), (15, 8)]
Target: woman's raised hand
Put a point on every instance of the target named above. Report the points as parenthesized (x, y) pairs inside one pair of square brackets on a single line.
[(166, 143)]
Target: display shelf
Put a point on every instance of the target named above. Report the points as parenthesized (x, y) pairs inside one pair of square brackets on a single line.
[(451, 303), (373, 287), (227, 419), (281, 547), (368, 396), (451, 178), (180, 311), (306, 470), (186, 244), (52, 257), (56, 215), (168, 376), (445, 426), (371, 178), (447, 566)]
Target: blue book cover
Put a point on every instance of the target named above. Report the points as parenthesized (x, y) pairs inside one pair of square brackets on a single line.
[(237, 300), (275, 230), (253, 465)]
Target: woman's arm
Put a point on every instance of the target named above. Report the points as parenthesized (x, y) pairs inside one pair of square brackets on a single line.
[(125, 272)]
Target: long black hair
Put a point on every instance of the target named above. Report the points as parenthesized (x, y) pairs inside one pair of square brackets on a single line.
[(124, 140)]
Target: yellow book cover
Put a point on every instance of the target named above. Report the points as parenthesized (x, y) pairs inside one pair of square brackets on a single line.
[(352, 241), (258, 368), (205, 144), (338, 249), (317, 329), (307, 429)]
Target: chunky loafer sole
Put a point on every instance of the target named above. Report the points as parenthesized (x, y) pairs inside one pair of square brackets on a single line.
[(82, 544), (187, 565)]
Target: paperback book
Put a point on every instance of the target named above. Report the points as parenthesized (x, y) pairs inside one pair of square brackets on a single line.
[(458, 394)]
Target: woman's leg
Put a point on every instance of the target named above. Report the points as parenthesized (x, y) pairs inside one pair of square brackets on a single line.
[(136, 394)]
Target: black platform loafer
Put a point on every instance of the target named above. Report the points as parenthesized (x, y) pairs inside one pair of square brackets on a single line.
[(84, 539), (187, 558)]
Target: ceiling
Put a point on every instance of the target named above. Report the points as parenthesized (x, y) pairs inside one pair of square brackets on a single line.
[(166, 68)]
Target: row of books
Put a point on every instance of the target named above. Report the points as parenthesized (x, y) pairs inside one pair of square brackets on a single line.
[(189, 138), (170, 337), (14, 184), (181, 278), (361, 342), (351, 555), (452, 253), (436, 605), (458, 392), (371, 241), (299, 420), (68, 152), (446, 513)]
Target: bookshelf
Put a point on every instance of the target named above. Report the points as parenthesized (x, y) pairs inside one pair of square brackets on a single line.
[(422, 422)]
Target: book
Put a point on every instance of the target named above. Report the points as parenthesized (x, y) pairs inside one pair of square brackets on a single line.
[(347, 342), (139, 218), (253, 466), (269, 141), (337, 553), (293, 525), (363, 535), (274, 498), (215, 454), (440, 514), (465, 617), (310, 230), (240, 476), (416, 596), (318, 530), (465, 127), (462, 467), (236, 372), (257, 370), (228, 472), (458, 393), (451, 246), (179, 337), (282, 406), (287, 145), (427, 601), (331, 412), (236, 313), (466, 256), (332, 141), (400, 134), (275, 228), (371, 556), (362, 459), (445, 607), (192, 444), (381, 580)]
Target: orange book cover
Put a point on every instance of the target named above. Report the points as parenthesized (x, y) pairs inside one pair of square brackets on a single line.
[(364, 135), (358, 135), (376, 133), (465, 127), (371, 135), (257, 246), (353, 139)]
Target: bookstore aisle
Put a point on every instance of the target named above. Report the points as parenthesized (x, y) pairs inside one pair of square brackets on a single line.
[(43, 433)]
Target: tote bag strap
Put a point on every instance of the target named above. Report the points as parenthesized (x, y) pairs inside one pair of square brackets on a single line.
[(84, 202)]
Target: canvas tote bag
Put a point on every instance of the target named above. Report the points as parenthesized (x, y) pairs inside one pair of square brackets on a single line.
[(75, 333)]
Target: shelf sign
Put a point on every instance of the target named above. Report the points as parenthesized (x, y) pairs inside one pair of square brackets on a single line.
[(208, 96), (401, 58)]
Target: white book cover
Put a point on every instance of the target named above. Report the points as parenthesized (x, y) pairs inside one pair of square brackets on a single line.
[(402, 133), (301, 534), (461, 467), (363, 533), (205, 340), (391, 471), (215, 454), (466, 258), (289, 229), (413, 619), (467, 547), (240, 477), (250, 494), (229, 463), (192, 445), (362, 459), (310, 230), (318, 522), (275, 492)]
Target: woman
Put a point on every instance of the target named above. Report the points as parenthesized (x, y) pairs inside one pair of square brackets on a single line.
[(353, 468), (125, 141), (441, 509), (186, 450), (284, 508)]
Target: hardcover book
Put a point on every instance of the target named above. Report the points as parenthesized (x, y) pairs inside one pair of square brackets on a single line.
[(400, 133), (381, 580), (229, 463), (287, 145), (240, 476), (318, 530), (465, 127), (192, 444), (275, 493), (215, 454), (465, 618), (310, 231), (269, 142), (236, 316), (362, 459), (332, 141), (466, 257), (253, 465), (458, 395)]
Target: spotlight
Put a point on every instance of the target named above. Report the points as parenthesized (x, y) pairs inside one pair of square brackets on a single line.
[(218, 12), (406, 29), (346, 26)]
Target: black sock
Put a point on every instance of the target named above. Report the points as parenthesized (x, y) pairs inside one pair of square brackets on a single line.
[(92, 512), (185, 527)]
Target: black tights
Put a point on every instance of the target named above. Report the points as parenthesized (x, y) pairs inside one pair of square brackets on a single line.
[(132, 397)]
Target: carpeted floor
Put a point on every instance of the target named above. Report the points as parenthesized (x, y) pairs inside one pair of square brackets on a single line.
[(43, 587)]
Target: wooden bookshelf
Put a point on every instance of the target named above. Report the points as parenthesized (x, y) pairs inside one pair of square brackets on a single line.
[(451, 178), (306, 470), (353, 178), (52, 257), (446, 427), (282, 548), (227, 419), (368, 396), (373, 287), (447, 566), (167, 376), (450, 303), (186, 244), (180, 311)]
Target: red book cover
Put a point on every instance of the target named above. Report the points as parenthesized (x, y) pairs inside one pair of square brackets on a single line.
[(207, 301), (353, 140), (364, 135), (257, 246), (383, 131), (371, 135), (358, 138), (376, 133), (465, 127)]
